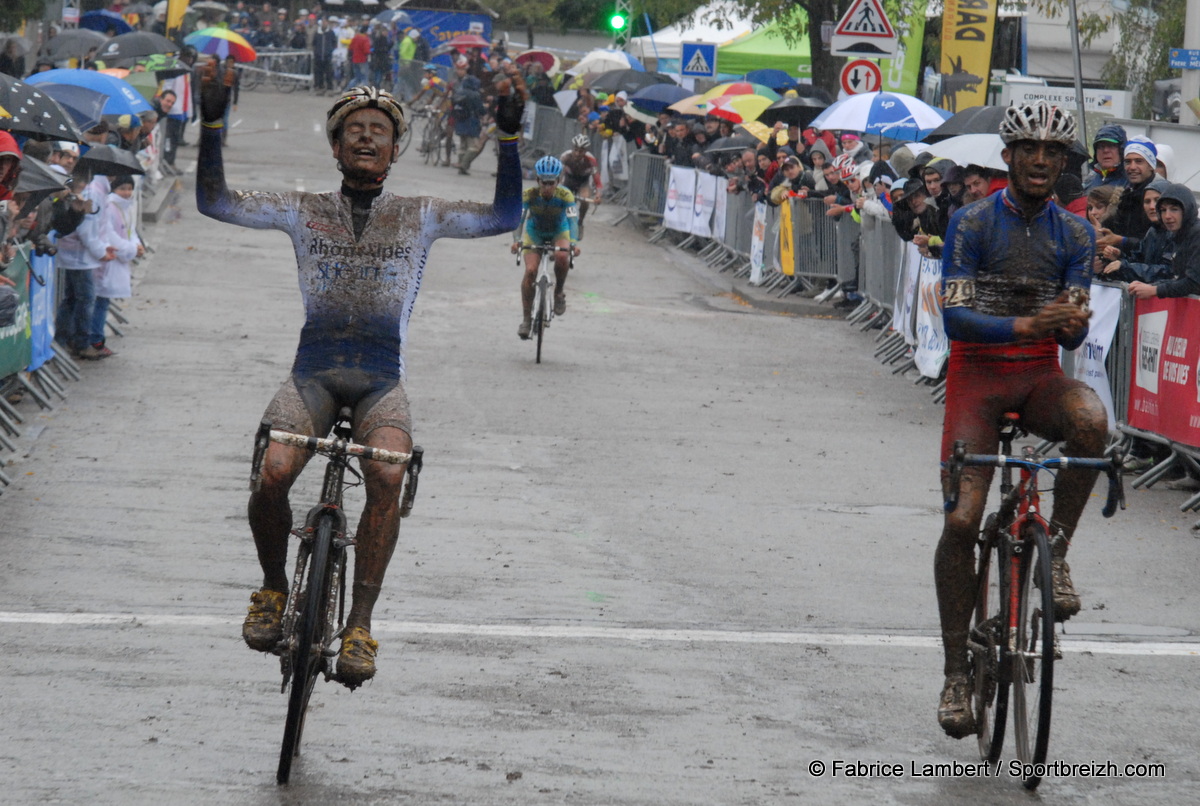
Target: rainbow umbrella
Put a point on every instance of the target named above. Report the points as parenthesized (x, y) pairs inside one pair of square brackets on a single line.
[(738, 108), (691, 105), (741, 88), (222, 43)]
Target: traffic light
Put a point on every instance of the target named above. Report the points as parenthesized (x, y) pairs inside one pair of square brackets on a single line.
[(617, 21)]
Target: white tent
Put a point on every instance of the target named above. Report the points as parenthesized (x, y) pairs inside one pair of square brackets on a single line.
[(666, 43)]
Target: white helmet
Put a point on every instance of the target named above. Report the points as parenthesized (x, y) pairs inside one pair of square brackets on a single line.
[(581, 140), (360, 98), (1037, 121)]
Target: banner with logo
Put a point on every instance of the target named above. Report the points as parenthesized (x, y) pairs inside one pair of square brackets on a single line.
[(1089, 358), (41, 309), (787, 239), (681, 194), (758, 237), (16, 339), (900, 73), (720, 213), (1164, 394), (966, 65), (932, 343), (439, 27), (703, 204)]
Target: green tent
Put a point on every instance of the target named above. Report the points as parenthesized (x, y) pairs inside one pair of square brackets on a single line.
[(765, 48)]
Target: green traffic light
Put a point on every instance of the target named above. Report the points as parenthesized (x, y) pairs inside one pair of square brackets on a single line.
[(617, 22)]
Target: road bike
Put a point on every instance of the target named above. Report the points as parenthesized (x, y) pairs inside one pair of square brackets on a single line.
[(542, 310), (311, 623), (1012, 643)]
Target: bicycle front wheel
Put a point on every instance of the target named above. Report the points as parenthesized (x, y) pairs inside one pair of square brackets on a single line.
[(405, 139), (989, 695), (307, 656), (1033, 663)]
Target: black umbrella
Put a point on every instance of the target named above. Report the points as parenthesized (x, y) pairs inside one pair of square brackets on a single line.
[(111, 161), (33, 113), (85, 106), (74, 42), (135, 45), (738, 142), (973, 120), (629, 81), (39, 181), (796, 111)]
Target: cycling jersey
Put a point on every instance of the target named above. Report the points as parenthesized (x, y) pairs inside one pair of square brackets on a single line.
[(358, 293), (547, 219), (997, 266), (579, 170)]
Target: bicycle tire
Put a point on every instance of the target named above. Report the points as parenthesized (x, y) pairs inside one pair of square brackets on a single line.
[(428, 139), (404, 141), (989, 696), (307, 653), (1033, 665)]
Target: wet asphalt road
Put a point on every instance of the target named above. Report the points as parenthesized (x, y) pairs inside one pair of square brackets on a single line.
[(677, 563)]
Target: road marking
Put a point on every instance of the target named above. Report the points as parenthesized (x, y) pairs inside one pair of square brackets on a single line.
[(575, 633)]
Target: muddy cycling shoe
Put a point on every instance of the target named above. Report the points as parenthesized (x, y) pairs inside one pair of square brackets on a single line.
[(524, 328), (954, 708), (263, 627), (356, 661), (560, 304), (1066, 600)]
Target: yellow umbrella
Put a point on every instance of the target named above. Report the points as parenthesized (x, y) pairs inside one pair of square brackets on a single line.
[(738, 108), (760, 131), (4, 113), (692, 105), (741, 88)]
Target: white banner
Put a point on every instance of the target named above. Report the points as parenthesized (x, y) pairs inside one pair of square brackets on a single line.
[(719, 215), (757, 237), (681, 194), (904, 315), (932, 344), (1089, 358), (703, 204)]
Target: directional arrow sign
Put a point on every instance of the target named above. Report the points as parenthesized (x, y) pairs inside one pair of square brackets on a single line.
[(861, 76), (864, 30)]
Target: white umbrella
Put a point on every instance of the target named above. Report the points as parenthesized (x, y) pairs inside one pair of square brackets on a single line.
[(601, 61), (888, 114), (972, 149)]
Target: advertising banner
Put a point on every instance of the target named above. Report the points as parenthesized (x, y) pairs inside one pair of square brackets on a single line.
[(1164, 396), (1089, 358), (719, 215), (904, 315), (439, 27), (787, 239), (900, 73), (15, 340), (932, 344), (703, 204), (681, 194), (966, 65), (41, 308), (758, 237)]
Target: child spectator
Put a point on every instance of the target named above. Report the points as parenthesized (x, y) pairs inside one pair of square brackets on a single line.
[(113, 278)]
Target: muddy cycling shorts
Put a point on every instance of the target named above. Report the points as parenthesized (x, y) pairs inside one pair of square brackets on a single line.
[(309, 403), (537, 237)]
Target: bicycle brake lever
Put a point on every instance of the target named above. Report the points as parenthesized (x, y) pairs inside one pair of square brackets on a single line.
[(1116, 493)]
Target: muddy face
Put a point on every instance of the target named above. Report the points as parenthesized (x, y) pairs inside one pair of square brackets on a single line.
[(367, 146), (1034, 167)]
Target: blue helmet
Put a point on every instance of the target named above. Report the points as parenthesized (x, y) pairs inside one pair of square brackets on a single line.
[(548, 168)]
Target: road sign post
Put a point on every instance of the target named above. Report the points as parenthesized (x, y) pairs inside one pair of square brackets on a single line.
[(698, 60), (861, 76), (864, 30)]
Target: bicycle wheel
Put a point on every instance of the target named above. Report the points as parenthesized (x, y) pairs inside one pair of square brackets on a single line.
[(1033, 663), (405, 139), (429, 140), (250, 78), (539, 321), (989, 695), (307, 652)]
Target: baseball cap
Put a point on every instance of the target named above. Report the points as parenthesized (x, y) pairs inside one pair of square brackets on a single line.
[(67, 147)]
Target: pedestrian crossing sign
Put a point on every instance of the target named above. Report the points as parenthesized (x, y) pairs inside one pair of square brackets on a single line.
[(698, 60), (864, 30)]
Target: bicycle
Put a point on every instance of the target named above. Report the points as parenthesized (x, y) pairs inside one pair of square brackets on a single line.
[(542, 310), (311, 628), (1012, 643)]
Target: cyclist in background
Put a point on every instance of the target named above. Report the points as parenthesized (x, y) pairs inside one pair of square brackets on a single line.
[(1016, 277), (360, 254), (548, 216), (581, 170)]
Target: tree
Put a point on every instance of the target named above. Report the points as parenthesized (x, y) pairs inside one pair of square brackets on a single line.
[(15, 12), (527, 13), (1143, 33)]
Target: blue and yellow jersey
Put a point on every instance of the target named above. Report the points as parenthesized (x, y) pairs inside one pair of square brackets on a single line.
[(545, 219)]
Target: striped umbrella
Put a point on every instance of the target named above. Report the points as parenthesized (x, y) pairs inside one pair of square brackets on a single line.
[(222, 43), (741, 88)]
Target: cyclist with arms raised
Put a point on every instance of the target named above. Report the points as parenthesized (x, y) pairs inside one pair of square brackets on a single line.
[(1016, 279), (549, 217), (580, 171), (360, 252)]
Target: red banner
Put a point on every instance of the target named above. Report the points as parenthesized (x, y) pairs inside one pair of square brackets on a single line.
[(1164, 394)]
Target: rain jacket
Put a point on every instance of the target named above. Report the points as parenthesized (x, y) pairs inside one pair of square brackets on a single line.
[(1182, 255)]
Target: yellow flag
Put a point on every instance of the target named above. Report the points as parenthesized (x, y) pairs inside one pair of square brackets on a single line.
[(787, 239), (175, 11), (967, 28)]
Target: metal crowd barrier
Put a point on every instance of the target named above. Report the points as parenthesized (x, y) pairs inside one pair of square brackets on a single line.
[(647, 189)]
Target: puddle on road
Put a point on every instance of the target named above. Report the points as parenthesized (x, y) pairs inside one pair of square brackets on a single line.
[(1073, 629)]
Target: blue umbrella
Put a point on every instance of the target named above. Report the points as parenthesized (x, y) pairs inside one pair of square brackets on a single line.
[(83, 105), (886, 114), (123, 99), (658, 97), (394, 16), (777, 80), (102, 21)]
